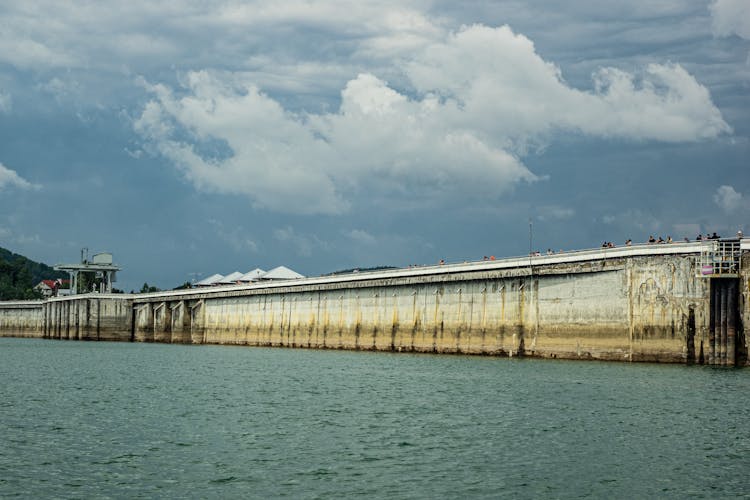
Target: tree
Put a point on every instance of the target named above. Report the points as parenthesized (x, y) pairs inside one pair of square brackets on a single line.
[(148, 289), (16, 279)]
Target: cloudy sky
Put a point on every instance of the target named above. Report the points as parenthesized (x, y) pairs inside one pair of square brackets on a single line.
[(192, 137)]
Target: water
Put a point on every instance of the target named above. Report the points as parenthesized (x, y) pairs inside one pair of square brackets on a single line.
[(92, 420)]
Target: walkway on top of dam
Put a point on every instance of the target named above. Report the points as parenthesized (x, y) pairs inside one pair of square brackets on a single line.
[(520, 263)]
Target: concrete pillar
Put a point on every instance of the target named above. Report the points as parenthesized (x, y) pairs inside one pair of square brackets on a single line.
[(66, 319), (197, 322), (58, 320), (79, 314), (51, 320), (723, 328), (90, 330), (715, 305), (180, 322), (731, 322), (162, 323), (45, 307), (690, 337), (144, 325)]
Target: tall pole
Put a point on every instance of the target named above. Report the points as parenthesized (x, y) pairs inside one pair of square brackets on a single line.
[(531, 239)]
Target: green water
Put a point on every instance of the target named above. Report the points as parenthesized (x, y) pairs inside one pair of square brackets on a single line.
[(92, 420)]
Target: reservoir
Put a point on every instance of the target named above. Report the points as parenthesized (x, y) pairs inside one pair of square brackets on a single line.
[(135, 420)]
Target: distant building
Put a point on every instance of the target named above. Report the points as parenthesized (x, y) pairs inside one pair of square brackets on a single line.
[(53, 288)]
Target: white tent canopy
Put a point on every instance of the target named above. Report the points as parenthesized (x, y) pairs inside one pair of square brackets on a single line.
[(230, 278), (281, 273), (211, 280), (253, 275), (257, 274)]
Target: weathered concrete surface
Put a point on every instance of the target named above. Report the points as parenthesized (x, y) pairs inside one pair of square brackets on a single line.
[(22, 318), (88, 317), (634, 308), (633, 304), (742, 340)]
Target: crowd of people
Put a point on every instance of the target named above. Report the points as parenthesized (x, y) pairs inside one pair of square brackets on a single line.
[(700, 237), (711, 237), (608, 244), (659, 240)]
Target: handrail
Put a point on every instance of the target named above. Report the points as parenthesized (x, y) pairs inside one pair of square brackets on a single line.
[(468, 266), (516, 262)]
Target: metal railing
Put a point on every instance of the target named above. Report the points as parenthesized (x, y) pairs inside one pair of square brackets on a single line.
[(719, 259)]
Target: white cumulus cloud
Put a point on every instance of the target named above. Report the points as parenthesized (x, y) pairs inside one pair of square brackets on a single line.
[(731, 17), (496, 77), (479, 98), (9, 178), (728, 199)]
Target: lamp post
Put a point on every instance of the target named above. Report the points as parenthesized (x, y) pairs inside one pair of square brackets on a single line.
[(531, 239)]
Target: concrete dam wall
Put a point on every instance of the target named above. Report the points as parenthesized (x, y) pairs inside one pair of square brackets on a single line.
[(81, 317), (628, 304), (22, 318)]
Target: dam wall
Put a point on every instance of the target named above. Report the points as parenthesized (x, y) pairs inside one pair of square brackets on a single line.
[(89, 317), (648, 303), (637, 309), (21, 318), (78, 317)]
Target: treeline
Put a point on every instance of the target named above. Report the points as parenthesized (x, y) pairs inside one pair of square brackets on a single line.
[(19, 275)]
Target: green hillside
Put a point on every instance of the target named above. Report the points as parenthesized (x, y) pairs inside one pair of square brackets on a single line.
[(19, 275)]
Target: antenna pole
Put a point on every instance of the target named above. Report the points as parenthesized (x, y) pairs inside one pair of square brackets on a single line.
[(531, 239)]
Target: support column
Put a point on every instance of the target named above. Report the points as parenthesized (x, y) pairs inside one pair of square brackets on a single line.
[(162, 323), (45, 309), (713, 352), (77, 313), (731, 322), (181, 322), (66, 315), (691, 336), (58, 320), (198, 322), (144, 327), (723, 330)]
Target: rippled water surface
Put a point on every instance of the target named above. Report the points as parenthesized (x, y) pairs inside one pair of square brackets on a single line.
[(87, 420)]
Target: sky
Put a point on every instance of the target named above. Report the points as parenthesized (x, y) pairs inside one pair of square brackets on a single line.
[(194, 137)]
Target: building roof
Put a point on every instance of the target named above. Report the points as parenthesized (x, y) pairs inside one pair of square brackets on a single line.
[(51, 283), (253, 275), (281, 273), (277, 273), (211, 280), (230, 278)]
